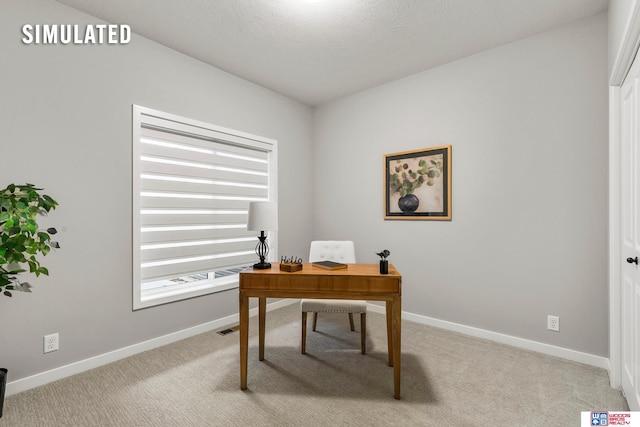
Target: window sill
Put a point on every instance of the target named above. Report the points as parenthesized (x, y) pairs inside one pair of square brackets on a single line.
[(166, 295)]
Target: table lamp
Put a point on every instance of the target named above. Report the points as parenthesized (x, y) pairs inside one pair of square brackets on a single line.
[(263, 216)]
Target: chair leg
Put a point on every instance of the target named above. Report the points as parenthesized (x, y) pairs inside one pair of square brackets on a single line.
[(351, 322), (363, 332), (315, 320), (303, 345)]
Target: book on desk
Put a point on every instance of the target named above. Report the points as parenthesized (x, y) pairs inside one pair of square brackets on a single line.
[(329, 265)]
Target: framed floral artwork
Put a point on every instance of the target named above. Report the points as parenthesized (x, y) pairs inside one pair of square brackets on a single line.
[(417, 184)]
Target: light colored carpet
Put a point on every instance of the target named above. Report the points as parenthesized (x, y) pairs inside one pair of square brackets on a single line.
[(448, 379)]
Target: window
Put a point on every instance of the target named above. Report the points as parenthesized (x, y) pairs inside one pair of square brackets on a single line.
[(192, 184)]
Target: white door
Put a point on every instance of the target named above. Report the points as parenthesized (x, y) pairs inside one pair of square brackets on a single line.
[(630, 236)]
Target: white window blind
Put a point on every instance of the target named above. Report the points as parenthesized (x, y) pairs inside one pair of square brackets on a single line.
[(192, 186)]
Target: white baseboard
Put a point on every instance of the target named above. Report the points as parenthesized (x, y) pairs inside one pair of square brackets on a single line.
[(112, 356), (551, 350), (103, 359)]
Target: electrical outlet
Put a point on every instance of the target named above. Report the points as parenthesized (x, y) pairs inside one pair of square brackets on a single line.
[(553, 323), (50, 343)]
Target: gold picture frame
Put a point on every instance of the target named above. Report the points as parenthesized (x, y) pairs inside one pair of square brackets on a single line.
[(417, 184)]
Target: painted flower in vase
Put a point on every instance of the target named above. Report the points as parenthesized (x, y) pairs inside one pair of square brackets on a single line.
[(408, 175)]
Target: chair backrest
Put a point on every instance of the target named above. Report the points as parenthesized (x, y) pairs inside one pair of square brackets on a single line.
[(343, 251)]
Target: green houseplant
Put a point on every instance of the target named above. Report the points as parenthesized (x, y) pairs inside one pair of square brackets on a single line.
[(22, 240)]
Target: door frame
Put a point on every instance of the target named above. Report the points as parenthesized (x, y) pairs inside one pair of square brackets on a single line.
[(622, 63)]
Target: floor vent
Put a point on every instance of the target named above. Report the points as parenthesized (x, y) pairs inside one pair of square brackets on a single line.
[(229, 330)]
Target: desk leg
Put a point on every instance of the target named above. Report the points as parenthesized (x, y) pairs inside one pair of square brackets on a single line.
[(244, 339), (262, 313), (390, 331), (397, 333)]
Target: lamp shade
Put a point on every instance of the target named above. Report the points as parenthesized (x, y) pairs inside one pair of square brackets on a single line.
[(263, 216)]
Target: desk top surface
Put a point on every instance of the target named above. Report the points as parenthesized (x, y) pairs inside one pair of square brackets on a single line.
[(308, 269)]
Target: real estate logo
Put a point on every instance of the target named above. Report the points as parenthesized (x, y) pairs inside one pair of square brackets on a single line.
[(612, 418), (76, 34), (599, 418)]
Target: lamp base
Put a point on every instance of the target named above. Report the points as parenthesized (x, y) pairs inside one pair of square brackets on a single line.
[(262, 266)]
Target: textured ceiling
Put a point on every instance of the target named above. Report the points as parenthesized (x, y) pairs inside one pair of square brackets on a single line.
[(316, 51)]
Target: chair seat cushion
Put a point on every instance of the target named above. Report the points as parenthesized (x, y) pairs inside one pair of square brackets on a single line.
[(333, 306)]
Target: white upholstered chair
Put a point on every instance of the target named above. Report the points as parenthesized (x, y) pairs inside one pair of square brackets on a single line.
[(338, 251)]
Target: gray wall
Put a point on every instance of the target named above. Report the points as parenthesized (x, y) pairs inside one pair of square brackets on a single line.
[(620, 12), (65, 115), (528, 126)]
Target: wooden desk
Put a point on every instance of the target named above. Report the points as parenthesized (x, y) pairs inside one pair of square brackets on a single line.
[(359, 281)]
